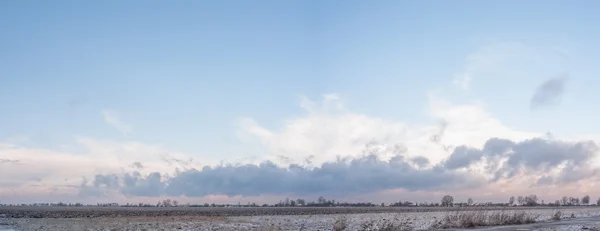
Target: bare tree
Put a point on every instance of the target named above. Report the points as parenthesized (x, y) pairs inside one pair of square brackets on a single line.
[(175, 203), (585, 200), (511, 200), (520, 200), (565, 201), (447, 200), (470, 201), (166, 203), (573, 201), (300, 202), (598, 201)]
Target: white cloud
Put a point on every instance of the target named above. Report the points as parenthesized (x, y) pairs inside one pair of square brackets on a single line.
[(113, 118), (328, 130)]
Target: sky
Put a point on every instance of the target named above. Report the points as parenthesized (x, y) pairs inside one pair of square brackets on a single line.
[(230, 101)]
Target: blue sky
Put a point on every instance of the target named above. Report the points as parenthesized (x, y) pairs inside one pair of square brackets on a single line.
[(182, 74)]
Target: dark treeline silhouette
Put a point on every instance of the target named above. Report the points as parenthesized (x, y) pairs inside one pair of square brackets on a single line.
[(445, 201)]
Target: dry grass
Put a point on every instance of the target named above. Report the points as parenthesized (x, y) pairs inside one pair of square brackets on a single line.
[(340, 224), (470, 219), (557, 216), (395, 224)]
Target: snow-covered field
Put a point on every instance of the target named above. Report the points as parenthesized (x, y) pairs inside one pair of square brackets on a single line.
[(362, 221)]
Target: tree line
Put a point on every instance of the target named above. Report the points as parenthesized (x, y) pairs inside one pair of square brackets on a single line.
[(446, 201), (529, 200)]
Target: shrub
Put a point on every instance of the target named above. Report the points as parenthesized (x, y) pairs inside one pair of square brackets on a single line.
[(557, 216), (340, 224)]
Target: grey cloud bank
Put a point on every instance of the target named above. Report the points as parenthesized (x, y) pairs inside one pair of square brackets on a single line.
[(503, 159), (506, 159), (341, 177)]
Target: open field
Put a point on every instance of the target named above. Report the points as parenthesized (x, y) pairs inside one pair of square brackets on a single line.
[(185, 218)]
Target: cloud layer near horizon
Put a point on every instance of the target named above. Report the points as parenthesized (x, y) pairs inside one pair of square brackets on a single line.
[(502, 159), (329, 150)]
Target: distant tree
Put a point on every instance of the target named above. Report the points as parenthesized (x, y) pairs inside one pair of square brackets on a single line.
[(511, 200), (565, 201), (520, 200), (573, 201), (301, 202), (557, 203), (447, 201), (175, 203), (585, 200), (166, 203), (321, 200), (469, 201), (531, 200), (598, 202)]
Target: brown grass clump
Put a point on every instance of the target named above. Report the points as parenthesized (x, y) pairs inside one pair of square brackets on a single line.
[(470, 219)]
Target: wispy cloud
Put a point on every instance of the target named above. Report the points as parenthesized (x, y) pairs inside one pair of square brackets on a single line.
[(18, 139), (113, 118), (505, 57), (77, 101), (487, 58), (549, 92)]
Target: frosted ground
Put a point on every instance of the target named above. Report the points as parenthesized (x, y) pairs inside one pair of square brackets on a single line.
[(416, 220)]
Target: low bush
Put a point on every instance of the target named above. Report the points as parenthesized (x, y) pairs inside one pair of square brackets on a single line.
[(557, 216)]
